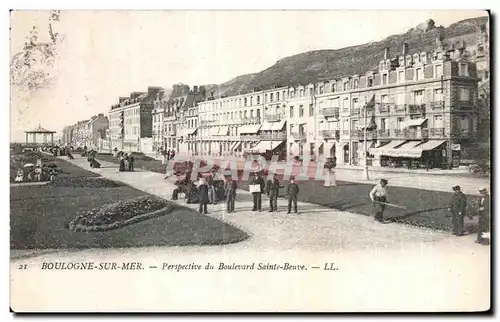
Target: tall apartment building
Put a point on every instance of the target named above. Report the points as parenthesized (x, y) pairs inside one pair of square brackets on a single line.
[(425, 110), (131, 121)]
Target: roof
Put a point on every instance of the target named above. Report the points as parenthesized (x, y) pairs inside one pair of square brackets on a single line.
[(40, 129)]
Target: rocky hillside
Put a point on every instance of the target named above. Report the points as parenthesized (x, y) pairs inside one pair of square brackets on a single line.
[(317, 65)]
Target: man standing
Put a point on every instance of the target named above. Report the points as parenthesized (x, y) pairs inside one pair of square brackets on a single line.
[(292, 191), (230, 192), (203, 196), (379, 197), (257, 196), (458, 207), (483, 224), (273, 188), (131, 163)]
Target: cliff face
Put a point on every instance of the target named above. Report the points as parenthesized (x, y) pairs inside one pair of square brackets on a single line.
[(319, 65)]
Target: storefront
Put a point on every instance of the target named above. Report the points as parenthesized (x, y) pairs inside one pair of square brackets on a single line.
[(410, 154)]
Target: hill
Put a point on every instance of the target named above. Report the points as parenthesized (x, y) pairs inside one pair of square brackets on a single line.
[(319, 65)]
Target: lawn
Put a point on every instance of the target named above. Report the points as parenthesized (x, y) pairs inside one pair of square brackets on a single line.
[(39, 216), (139, 163)]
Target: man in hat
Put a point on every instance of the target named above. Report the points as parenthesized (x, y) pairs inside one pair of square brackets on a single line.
[(379, 197), (458, 207), (257, 196), (484, 215), (292, 192), (273, 189)]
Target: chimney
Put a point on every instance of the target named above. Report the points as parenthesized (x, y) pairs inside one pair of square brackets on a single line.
[(100, 114), (386, 53), (405, 48)]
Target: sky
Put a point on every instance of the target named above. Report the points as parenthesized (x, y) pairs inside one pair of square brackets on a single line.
[(107, 54)]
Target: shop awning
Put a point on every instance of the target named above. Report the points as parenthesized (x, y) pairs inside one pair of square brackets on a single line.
[(249, 129), (389, 146), (223, 130), (427, 146), (266, 126), (407, 150), (415, 122), (278, 126), (235, 145), (263, 146)]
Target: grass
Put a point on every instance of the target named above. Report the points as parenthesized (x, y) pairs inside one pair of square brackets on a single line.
[(139, 163), (39, 216)]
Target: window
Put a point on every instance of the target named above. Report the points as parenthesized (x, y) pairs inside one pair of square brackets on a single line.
[(284, 95), (463, 124), (383, 122), (356, 83), (419, 74), (258, 99), (278, 96), (335, 102), (292, 93), (438, 121), (240, 115), (251, 113), (346, 86), (291, 129), (291, 111), (311, 110), (354, 103), (463, 69), (258, 114), (334, 87), (321, 90), (301, 93), (265, 98), (384, 79), (384, 99), (271, 97), (419, 97), (251, 100), (438, 95), (245, 114), (438, 71), (301, 110), (311, 91), (345, 104), (400, 123), (370, 81), (245, 101), (464, 94), (401, 76)]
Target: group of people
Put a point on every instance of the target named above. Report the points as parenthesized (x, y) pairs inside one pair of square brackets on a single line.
[(167, 154), (36, 173), (457, 209), (271, 189), (126, 162)]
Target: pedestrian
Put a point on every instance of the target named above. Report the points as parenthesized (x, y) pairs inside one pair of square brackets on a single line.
[(19, 175), (126, 160), (230, 193), (212, 196), (273, 188), (292, 192), (122, 163), (258, 184), (483, 224), (130, 163), (172, 155), (379, 197), (458, 207), (203, 196)]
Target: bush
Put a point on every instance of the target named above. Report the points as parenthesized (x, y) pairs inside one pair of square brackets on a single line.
[(121, 213), (84, 182)]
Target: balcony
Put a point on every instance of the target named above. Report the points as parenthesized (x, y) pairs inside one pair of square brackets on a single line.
[(463, 105), (330, 112), (360, 135), (436, 105), (436, 132), (400, 107), (416, 109), (384, 108), (299, 136), (329, 134), (279, 136), (383, 134), (272, 118), (399, 134), (249, 137)]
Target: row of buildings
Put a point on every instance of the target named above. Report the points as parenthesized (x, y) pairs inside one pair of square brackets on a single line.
[(90, 133), (422, 108)]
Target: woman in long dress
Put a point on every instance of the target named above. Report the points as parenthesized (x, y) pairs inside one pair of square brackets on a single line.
[(122, 164), (19, 175)]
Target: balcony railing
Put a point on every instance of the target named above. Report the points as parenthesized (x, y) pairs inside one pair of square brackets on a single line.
[(384, 108), (417, 108), (360, 135), (273, 136), (272, 117), (399, 133), (250, 137), (382, 134), (329, 134), (302, 136), (436, 105), (330, 112), (400, 107)]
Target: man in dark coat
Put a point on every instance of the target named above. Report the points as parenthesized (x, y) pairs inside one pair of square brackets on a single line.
[(458, 207), (483, 224), (292, 192), (230, 193), (130, 163), (203, 196), (257, 196), (273, 189)]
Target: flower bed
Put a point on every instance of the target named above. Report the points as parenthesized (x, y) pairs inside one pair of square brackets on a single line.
[(121, 213), (84, 182)]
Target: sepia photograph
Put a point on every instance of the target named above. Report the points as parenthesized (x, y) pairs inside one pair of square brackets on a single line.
[(250, 161)]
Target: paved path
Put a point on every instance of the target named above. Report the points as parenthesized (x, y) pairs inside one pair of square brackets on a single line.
[(383, 267)]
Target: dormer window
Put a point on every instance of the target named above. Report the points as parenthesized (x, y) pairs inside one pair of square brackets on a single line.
[(423, 58), (346, 84), (334, 87), (463, 69), (408, 61), (356, 83), (401, 61), (384, 79), (370, 81)]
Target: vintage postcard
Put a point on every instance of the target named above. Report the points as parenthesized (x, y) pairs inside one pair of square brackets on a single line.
[(250, 161)]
